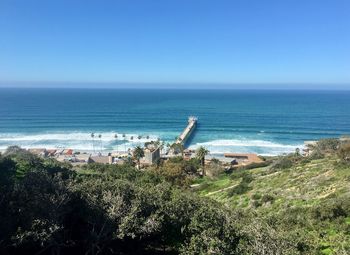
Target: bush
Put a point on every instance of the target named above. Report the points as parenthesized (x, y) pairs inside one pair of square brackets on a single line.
[(332, 210), (247, 178), (236, 174), (256, 203), (240, 189), (328, 145), (267, 198), (256, 196), (344, 152), (283, 163), (316, 154)]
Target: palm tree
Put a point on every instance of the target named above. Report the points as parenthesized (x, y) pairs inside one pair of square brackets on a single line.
[(156, 143), (132, 139), (161, 146), (178, 148), (138, 154), (100, 137), (201, 152), (167, 147), (124, 142), (139, 138), (116, 138), (93, 142)]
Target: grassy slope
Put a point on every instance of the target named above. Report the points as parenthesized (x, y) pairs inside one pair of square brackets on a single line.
[(302, 187), (302, 184)]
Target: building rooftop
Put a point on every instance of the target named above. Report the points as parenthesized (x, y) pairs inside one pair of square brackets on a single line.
[(248, 157)]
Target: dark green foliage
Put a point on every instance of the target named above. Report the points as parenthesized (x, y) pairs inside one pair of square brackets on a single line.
[(247, 178), (112, 209), (259, 199), (243, 186), (7, 173), (117, 210), (256, 203), (267, 198), (237, 174), (338, 208), (211, 230), (240, 189), (191, 166), (256, 196)]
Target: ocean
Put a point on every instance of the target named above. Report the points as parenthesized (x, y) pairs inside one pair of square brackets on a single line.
[(264, 122)]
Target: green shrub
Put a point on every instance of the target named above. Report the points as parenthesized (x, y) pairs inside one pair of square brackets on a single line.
[(283, 162), (256, 203), (344, 152), (256, 196), (247, 178), (240, 189), (236, 174), (332, 210), (267, 198)]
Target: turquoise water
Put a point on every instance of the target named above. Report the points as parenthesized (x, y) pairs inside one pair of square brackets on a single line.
[(265, 122)]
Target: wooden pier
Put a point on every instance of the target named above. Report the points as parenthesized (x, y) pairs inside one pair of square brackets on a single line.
[(191, 126)]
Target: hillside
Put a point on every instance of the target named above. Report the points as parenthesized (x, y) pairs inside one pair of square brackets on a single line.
[(309, 198), (294, 205)]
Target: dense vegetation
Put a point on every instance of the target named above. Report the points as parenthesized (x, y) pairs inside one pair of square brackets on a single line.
[(296, 205)]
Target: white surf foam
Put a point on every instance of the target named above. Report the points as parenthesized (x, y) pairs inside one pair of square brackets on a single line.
[(75, 140), (261, 147), (84, 142)]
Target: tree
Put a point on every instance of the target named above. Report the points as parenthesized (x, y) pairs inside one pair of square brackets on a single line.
[(93, 144), (124, 136), (116, 138), (178, 148), (138, 154), (100, 137), (161, 146), (201, 152)]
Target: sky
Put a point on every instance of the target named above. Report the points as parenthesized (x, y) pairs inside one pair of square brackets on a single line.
[(178, 43)]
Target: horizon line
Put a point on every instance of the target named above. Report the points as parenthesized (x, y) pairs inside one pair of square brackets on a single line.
[(175, 85)]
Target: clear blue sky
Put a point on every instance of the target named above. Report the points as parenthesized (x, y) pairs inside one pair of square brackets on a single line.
[(161, 41)]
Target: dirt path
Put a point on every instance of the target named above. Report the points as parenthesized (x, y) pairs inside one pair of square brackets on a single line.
[(221, 190)]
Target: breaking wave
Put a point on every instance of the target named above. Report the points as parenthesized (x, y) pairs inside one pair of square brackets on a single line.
[(261, 147), (84, 142), (76, 140)]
